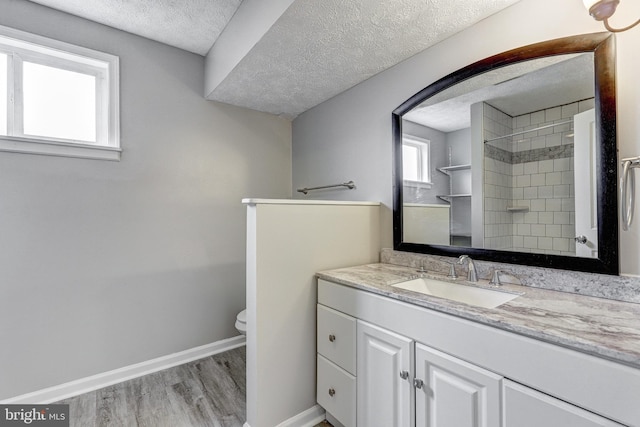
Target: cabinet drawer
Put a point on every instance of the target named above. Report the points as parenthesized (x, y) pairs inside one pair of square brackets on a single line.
[(525, 407), (336, 392), (336, 338)]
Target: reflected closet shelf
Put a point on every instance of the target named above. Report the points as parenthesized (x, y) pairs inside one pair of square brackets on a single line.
[(447, 169), (449, 197)]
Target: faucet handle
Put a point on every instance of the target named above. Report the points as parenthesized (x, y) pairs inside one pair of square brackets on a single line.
[(495, 279), (452, 271)]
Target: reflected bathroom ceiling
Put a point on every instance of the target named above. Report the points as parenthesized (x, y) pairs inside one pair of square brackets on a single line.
[(515, 90)]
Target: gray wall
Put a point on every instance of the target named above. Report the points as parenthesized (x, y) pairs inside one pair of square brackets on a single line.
[(460, 143), (106, 264), (349, 136)]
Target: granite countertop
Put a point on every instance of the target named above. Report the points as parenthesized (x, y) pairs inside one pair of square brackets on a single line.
[(597, 326)]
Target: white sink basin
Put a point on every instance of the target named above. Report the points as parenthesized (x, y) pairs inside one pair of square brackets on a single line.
[(467, 294)]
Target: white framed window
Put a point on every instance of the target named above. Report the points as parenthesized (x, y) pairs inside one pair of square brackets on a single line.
[(416, 161), (57, 99)]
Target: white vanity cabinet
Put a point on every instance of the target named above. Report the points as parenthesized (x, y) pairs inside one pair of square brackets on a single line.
[(385, 377), (454, 393), (445, 391), (418, 367)]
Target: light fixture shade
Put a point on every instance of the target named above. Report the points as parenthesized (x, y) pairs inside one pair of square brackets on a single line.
[(601, 9)]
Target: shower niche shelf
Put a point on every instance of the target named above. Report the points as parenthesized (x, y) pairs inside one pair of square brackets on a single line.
[(524, 209)]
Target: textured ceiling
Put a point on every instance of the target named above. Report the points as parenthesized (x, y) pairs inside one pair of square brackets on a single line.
[(314, 50), (515, 90), (192, 25), (318, 49)]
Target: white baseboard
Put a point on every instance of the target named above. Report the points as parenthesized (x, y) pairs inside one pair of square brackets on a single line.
[(308, 418), (333, 421), (95, 382)]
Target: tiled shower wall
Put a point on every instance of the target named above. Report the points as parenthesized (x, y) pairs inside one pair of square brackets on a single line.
[(534, 171), (498, 188)]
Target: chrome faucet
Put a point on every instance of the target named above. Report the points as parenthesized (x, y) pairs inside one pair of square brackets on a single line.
[(495, 280), (422, 269), (473, 274)]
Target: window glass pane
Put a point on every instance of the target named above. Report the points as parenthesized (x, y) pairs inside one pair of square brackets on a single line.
[(3, 94), (59, 103), (410, 158), (425, 168)]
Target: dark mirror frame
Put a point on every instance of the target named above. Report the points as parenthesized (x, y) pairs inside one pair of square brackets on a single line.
[(602, 45)]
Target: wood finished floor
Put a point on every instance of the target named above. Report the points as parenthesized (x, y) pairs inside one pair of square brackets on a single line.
[(206, 392)]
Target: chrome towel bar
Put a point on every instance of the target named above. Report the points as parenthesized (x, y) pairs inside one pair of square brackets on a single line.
[(350, 185), (628, 190)]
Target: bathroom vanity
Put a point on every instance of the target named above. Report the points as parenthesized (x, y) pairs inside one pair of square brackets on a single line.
[(565, 351), (393, 357)]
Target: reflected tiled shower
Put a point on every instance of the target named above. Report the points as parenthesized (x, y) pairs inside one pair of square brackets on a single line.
[(528, 181)]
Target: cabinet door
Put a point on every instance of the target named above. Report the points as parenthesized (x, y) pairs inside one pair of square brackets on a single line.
[(525, 407), (384, 374), (454, 393)]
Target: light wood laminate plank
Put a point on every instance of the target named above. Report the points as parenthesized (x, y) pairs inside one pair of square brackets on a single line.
[(209, 392)]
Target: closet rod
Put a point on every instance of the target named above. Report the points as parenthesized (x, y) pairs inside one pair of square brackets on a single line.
[(529, 130)]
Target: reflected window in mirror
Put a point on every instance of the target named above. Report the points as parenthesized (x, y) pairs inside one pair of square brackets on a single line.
[(416, 153)]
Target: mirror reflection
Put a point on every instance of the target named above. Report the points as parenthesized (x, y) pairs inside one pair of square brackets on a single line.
[(506, 161)]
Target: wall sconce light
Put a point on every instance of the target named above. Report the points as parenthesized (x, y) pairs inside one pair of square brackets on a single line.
[(602, 10)]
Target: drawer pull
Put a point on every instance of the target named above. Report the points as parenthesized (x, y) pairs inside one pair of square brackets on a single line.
[(332, 338), (418, 383), (404, 375), (332, 392)]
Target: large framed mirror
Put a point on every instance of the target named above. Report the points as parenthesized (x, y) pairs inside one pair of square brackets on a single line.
[(514, 159)]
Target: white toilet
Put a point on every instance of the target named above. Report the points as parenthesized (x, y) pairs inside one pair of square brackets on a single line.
[(241, 322)]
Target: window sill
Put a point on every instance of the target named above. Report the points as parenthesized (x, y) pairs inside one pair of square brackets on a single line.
[(60, 149), (418, 184)]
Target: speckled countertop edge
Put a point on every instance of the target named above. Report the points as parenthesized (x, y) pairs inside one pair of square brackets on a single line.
[(596, 326)]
